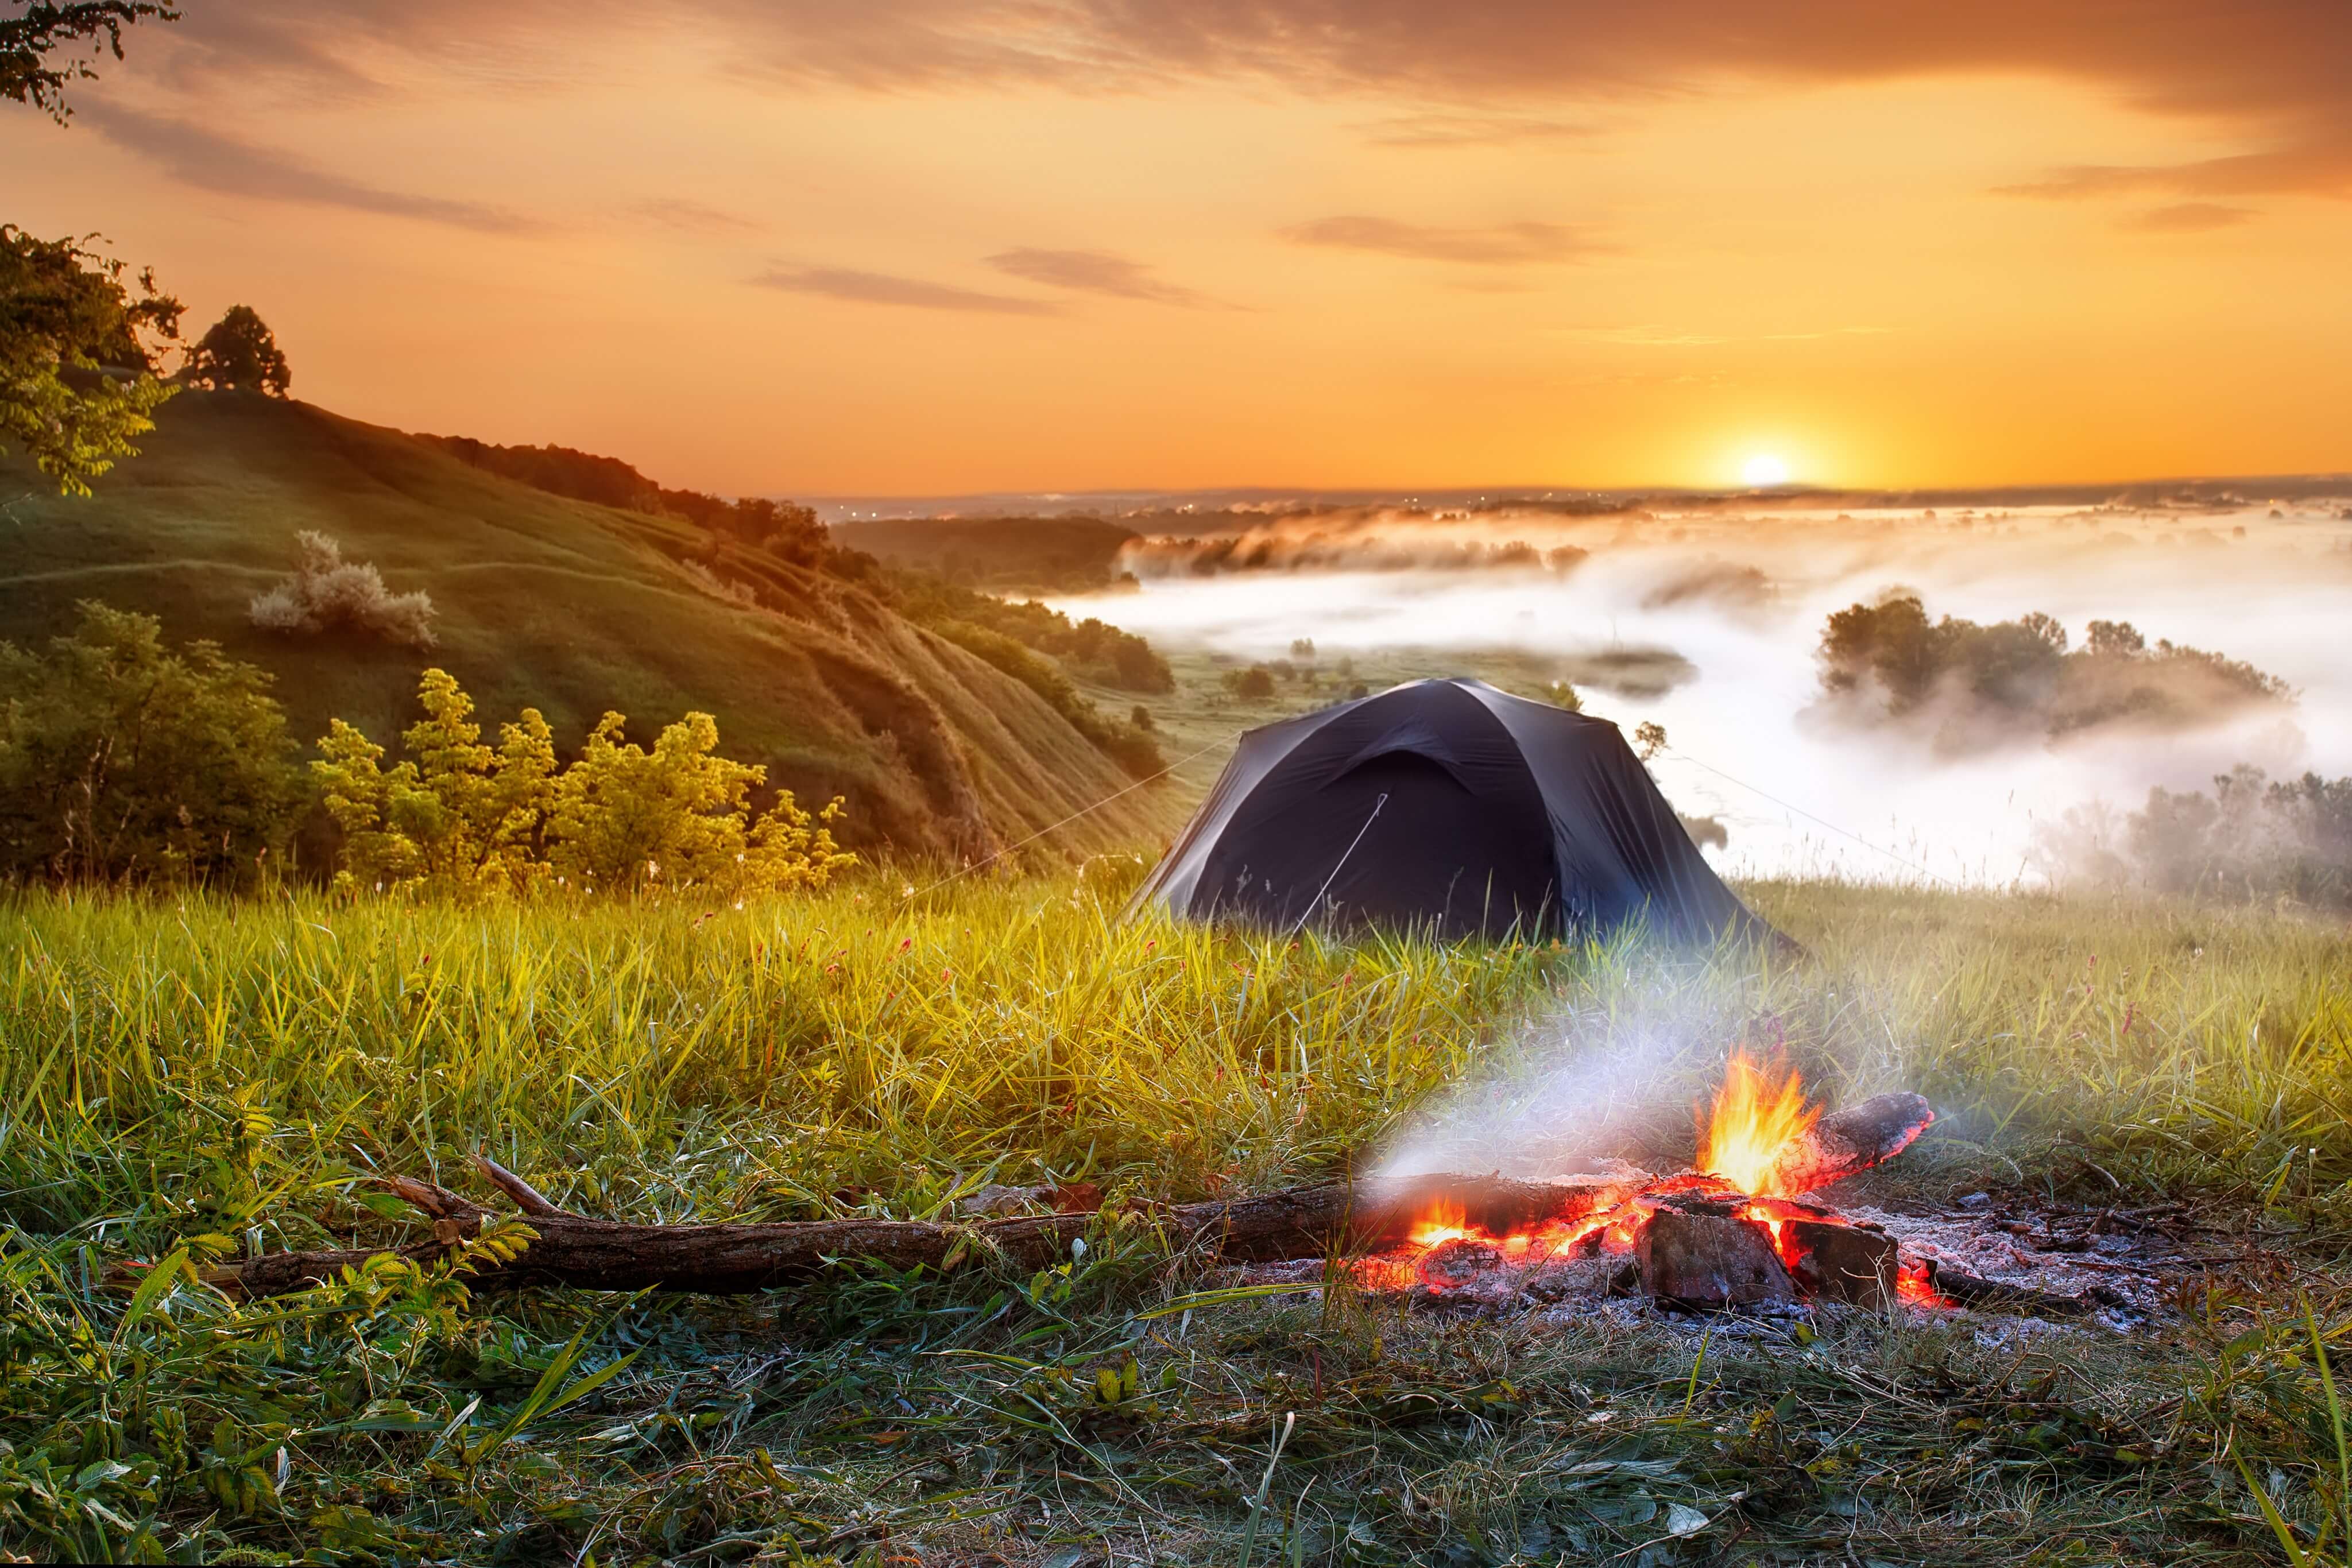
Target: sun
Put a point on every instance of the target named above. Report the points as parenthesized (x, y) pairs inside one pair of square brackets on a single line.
[(1764, 471)]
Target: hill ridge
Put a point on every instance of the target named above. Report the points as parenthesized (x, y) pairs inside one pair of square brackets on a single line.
[(569, 606)]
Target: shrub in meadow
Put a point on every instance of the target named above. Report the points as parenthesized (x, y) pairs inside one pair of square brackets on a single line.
[(325, 591), (458, 815), (680, 816), (124, 760)]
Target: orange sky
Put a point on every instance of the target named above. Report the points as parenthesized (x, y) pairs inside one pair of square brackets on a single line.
[(825, 246)]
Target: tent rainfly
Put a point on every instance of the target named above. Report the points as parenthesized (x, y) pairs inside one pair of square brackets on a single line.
[(1443, 805)]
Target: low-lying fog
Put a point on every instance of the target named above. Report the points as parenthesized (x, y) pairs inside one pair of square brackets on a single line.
[(2268, 585)]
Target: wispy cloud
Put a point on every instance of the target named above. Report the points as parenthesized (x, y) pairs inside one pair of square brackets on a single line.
[(691, 216), (211, 162), (886, 288), (2320, 165), (1095, 272), (1502, 245), (1439, 130), (2188, 217)]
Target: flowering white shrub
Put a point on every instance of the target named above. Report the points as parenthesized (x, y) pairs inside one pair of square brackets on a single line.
[(325, 591)]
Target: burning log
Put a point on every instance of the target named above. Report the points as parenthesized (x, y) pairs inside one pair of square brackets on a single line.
[(1702, 1259), (733, 1259), (1848, 1141)]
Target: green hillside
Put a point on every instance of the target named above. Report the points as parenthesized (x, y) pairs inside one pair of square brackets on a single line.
[(561, 604)]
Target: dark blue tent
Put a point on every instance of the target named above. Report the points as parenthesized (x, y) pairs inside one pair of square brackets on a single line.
[(1448, 806)]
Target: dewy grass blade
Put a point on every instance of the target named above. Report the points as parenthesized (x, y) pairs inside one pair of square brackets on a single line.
[(1265, 1487)]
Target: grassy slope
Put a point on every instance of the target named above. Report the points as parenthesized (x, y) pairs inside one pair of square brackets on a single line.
[(175, 1071), (556, 603)]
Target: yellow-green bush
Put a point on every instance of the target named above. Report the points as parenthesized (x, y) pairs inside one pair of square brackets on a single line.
[(460, 816)]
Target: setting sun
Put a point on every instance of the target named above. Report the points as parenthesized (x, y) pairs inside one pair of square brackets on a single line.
[(1764, 470)]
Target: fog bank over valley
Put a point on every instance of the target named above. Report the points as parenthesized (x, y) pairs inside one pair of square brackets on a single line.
[(1954, 749)]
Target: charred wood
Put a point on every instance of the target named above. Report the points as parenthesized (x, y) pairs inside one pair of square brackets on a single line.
[(1848, 1141), (1844, 1263), (1710, 1260)]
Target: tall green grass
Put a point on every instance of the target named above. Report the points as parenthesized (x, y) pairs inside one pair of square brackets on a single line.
[(673, 1058), (187, 1076)]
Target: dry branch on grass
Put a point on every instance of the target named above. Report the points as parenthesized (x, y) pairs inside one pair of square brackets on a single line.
[(732, 1260)]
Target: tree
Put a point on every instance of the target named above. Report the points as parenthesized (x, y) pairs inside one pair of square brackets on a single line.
[(239, 353), (1253, 685), (2115, 640), (124, 761), (48, 28), (76, 382), (76, 370), (1650, 738)]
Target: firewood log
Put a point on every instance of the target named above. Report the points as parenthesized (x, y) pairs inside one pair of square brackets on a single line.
[(732, 1260)]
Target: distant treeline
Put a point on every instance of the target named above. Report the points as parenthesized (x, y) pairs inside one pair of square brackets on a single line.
[(780, 527), (1076, 554), (2251, 837), (1093, 649), (1289, 549), (1982, 683)]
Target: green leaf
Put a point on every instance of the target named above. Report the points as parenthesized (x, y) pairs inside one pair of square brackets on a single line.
[(154, 1287)]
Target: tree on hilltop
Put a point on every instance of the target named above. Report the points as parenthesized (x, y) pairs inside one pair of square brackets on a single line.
[(239, 353)]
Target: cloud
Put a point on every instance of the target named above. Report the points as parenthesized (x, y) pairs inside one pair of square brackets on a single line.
[(2269, 71), (1094, 272), (883, 288), (1468, 131), (2321, 166), (2188, 217), (693, 217), (213, 163), (1503, 244)]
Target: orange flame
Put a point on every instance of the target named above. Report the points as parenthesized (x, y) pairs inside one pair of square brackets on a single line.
[(1759, 1112), (1443, 1222)]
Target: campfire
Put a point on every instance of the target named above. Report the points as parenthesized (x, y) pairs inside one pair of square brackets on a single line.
[(1737, 1230), (1734, 1230)]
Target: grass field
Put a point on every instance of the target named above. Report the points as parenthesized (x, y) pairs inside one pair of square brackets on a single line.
[(189, 1076)]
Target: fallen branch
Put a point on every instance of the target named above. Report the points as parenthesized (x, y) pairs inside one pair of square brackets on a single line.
[(733, 1259)]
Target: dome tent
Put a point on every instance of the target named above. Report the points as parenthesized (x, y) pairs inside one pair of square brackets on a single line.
[(1445, 805)]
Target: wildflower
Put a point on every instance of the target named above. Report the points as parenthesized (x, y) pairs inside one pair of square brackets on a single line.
[(904, 945)]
